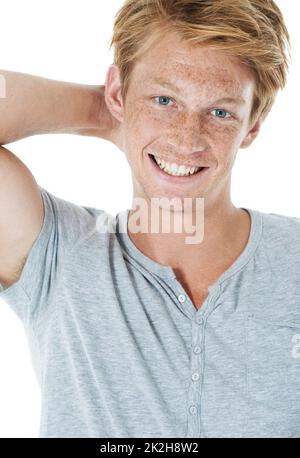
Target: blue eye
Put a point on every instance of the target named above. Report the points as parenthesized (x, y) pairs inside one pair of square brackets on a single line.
[(163, 100), (221, 113)]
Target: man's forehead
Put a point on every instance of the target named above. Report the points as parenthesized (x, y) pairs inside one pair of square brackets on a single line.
[(225, 76), (178, 62), (179, 81), (198, 81)]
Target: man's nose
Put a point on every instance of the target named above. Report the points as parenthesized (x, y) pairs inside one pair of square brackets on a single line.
[(188, 133)]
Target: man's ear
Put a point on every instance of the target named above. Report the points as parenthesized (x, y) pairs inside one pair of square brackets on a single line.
[(252, 134), (113, 96)]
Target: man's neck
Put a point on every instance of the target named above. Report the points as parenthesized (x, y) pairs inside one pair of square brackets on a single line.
[(226, 234)]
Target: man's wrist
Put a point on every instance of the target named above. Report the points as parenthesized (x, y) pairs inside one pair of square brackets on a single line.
[(90, 109), (96, 100)]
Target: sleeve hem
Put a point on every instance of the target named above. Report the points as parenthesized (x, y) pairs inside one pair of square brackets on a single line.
[(22, 285)]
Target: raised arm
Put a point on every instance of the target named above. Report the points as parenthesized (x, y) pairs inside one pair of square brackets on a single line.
[(34, 105), (31, 105)]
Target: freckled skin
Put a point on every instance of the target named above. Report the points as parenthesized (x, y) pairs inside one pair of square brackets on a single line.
[(187, 129)]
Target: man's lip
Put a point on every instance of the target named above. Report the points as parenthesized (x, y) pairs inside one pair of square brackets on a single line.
[(185, 182), (178, 161)]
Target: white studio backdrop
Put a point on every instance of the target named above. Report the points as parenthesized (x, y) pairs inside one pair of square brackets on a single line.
[(68, 41)]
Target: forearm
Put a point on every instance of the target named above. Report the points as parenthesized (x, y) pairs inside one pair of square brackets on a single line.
[(34, 105)]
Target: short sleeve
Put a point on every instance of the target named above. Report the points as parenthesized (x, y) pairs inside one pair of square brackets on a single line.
[(65, 223)]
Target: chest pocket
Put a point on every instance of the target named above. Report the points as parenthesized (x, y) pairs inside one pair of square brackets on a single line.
[(273, 378)]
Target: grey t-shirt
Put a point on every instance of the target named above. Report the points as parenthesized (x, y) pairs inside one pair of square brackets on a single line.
[(119, 349)]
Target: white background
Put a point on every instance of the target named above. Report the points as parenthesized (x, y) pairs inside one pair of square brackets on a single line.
[(68, 40)]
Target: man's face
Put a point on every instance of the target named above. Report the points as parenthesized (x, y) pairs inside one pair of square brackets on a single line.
[(196, 123)]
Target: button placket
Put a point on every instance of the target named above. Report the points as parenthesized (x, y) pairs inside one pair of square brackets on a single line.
[(198, 321), (196, 376)]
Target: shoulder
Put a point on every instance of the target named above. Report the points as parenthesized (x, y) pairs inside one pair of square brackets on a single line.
[(281, 240), (281, 228), (73, 223)]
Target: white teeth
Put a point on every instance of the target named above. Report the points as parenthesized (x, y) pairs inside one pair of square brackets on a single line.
[(174, 169)]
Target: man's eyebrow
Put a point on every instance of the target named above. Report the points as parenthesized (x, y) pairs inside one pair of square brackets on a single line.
[(238, 100), (162, 82)]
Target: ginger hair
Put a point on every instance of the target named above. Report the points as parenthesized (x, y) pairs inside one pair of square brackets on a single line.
[(253, 30)]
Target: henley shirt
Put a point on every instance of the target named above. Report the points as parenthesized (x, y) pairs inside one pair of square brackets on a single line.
[(119, 349)]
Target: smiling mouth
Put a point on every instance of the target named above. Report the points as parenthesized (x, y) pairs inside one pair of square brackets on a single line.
[(175, 170)]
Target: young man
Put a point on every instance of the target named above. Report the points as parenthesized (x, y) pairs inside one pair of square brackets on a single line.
[(140, 334)]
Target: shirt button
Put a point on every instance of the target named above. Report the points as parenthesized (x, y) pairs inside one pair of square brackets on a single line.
[(181, 298), (197, 350), (193, 410), (200, 320), (195, 376)]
